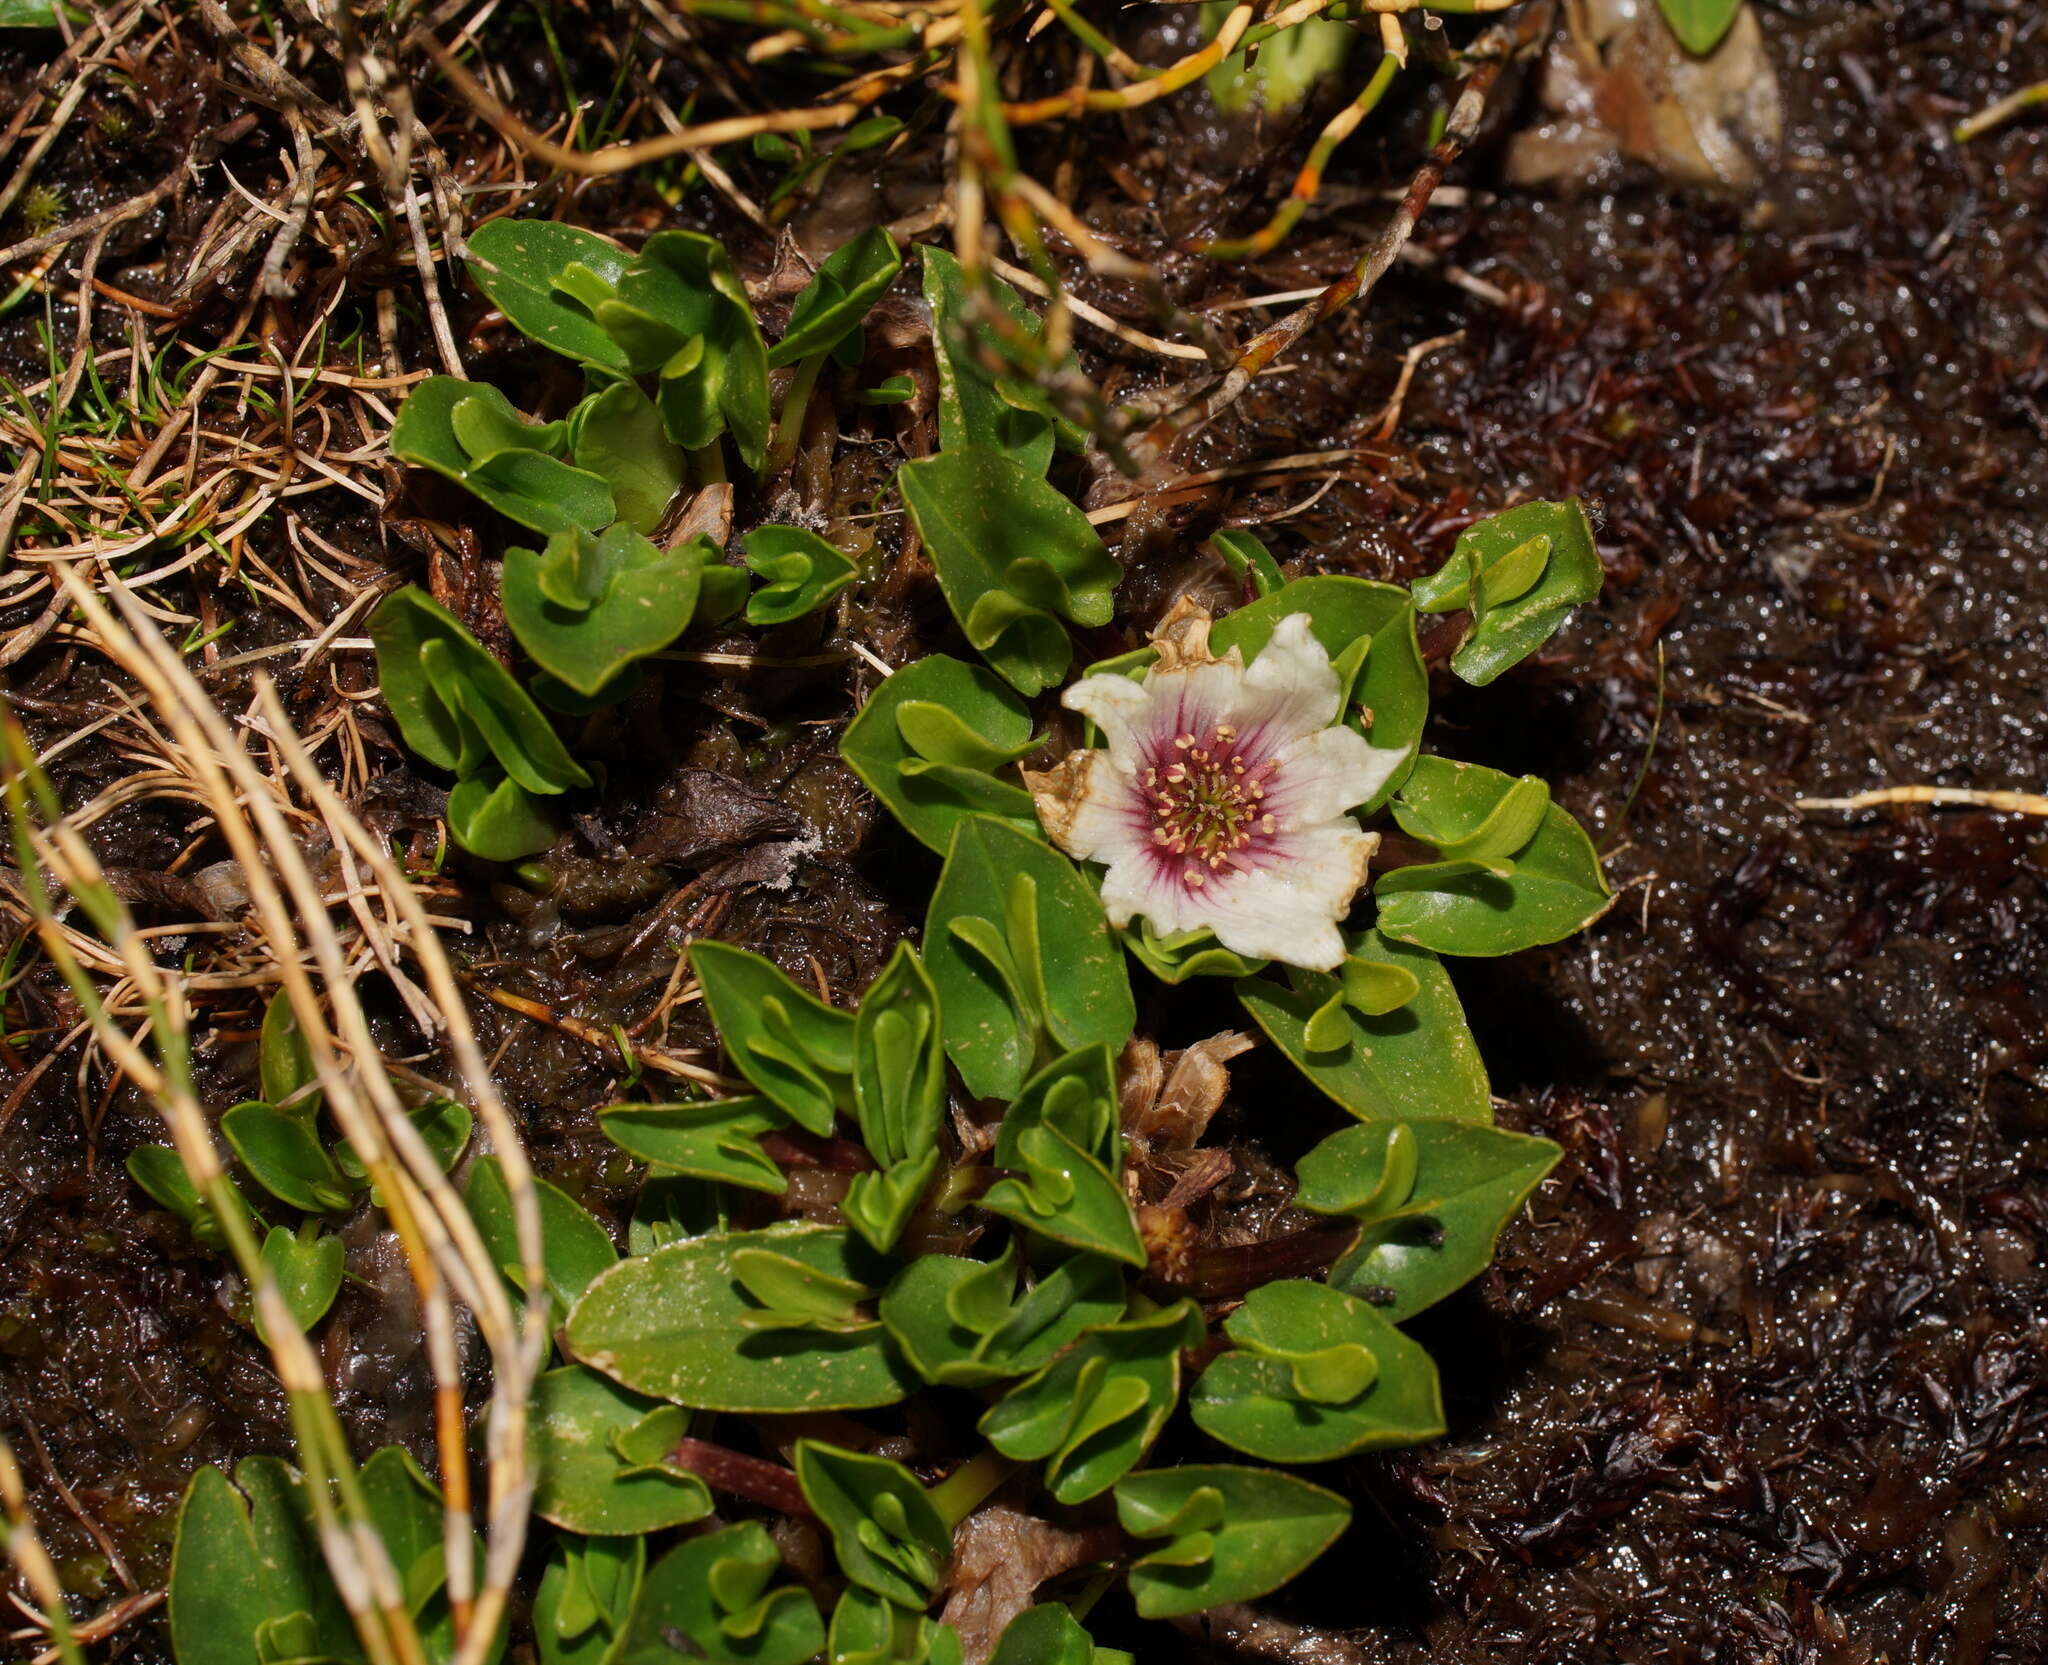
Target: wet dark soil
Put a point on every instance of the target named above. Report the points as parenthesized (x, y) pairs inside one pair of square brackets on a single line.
[(1763, 1374)]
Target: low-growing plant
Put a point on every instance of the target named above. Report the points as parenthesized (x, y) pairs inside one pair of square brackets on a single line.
[(1012, 1236)]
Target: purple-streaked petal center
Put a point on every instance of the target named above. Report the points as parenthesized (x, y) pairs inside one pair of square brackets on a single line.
[(1203, 793)]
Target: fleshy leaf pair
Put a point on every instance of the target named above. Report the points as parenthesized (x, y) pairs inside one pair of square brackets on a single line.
[(965, 1323), (469, 432), (1316, 1375), (1430, 1199), (1062, 1150), (1519, 574), (930, 742), (1022, 956), (462, 711)]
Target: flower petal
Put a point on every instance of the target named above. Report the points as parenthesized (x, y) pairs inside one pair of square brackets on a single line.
[(1118, 706), (1323, 774), (1137, 884), (1109, 820), (1290, 690), (1288, 910)]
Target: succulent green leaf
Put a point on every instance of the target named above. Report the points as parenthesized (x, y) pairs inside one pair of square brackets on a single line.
[(1317, 1375), (284, 1062), (966, 1323), (719, 1140), (789, 1043), (1093, 1413), (1231, 1533), (307, 1269), (246, 1558), (1520, 574), (709, 1599), (1015, 558), (586, 608), (1474, 814), (442, 1123), (584, 1481), (617, 435), (546, 277), (575, 1247), (1430, 1198), (456, 705), (899, 1064), (498, 819), (868, 1630), (1063, 1153), (885, 1532), (469, 432), (926, 744), (879, 1205), (831, 306), (669, 1323), (682, 313), (800, 573), (1020, 952), (283, 1154), (1184, 954), (1417, 1061), (1552, 885), (1250, 562), (586, 1596), (1700, 25), (792, 1294), (1050, 1635), (1005, 412), (160, 1173)]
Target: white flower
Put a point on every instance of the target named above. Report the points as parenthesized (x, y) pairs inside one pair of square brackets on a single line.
[(1221, 800)]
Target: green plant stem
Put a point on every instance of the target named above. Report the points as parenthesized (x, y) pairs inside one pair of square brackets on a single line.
[(789, 426), (968, 1486)]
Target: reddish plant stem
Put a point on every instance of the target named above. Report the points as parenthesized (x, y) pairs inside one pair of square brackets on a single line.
[(753, 1478)]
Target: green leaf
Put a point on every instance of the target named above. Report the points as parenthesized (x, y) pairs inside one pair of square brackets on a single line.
[(586, 1597), (284, 1061), (879, 1205), (1014, 556), (544, 277), (1184, 954), (1520, 573), (718, 1140), (1700, 24), (514, 472), (1552, 888), (219, 1593), (925, 744), (709, 1599), (498, 819), (1002, 412), (1249, 560), (965, 1323), (1285, 69), (670, 1324), (832, 304), (583, 1482), (283, 1154), (1429, 1218), (887, 1536), (1317, 1375), (160, 1173), (616, 434), (456, 705), (1473, 814), (899, 1065), (788, 1293), (1050, 1635), (586, 608), (307, 1269), (682, 313), (1094, 1412), (867, 1630), (1018, 947), (789, 1043), (1232, 1534), (575, 1248), (1063, 1150), (1418, 1061), (799, 569)]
